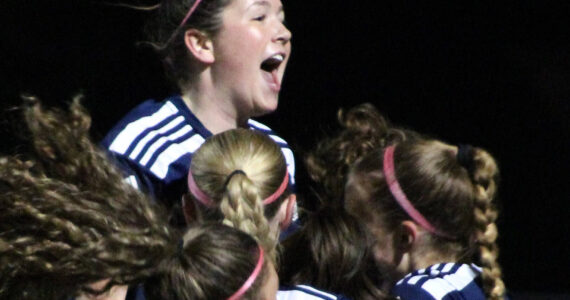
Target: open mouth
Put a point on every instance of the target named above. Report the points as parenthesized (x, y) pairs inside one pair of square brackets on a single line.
[(270, 67), (272, 63)]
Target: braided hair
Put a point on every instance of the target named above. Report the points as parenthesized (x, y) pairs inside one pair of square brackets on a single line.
[(454, 189)]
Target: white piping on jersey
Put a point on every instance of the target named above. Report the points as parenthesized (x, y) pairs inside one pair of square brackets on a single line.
[(132, 180), (161, 141), (439, 287), (290, 160), (173, 153), (258, 125), (278, 139), (462, 277), (124, 139), (447, 267), (304, 293), (142, 143)]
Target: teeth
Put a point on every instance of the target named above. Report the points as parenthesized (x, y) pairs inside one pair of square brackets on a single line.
[(278, 57), (272, 62)]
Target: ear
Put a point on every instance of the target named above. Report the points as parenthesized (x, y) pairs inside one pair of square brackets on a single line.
[(289, 205), (408, 235), (200, 45), (189, 209)]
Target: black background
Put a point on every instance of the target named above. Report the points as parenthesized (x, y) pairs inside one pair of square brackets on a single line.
[(494, 74)]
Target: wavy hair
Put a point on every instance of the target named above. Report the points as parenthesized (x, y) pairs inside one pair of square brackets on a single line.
[(69, 220)]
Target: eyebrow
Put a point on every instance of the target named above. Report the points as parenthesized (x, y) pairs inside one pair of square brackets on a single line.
[(265, 3)]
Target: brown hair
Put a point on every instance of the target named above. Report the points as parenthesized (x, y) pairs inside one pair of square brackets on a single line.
[(362, 129), (166, 33), (456, 199), (69, 219), (219, 259), (331, 252), (239, 198)]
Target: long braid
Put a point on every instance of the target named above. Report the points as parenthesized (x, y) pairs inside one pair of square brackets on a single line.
[(242, 207), (484, 172)]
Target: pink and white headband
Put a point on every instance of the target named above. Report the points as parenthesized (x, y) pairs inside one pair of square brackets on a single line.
[(400, 196), (249, 282), (206, 200)]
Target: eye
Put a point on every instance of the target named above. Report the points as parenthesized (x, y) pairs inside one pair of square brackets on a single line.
[(260, 18)]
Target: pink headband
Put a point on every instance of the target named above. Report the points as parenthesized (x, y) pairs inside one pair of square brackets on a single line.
[(206, 200), (188, 14), (247, 284), (398, 193)]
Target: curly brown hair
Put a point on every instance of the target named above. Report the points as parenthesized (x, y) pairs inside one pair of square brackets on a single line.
[(362, 129), (69, 220)]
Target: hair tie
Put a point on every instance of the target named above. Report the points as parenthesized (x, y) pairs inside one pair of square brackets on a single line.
[(249, 282), (232, 175), (398, 194), (465, 156)]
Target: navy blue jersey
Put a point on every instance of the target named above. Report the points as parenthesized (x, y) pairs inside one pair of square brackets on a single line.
[(441, 281), (153, 145), (305, 292), (299, 292)]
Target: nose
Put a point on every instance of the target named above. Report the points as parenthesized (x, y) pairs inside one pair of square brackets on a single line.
[(283, 34)]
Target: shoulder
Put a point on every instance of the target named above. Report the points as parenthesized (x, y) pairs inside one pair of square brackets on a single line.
[(441, 281), (287, 152), (158, 137), (304, 292), (258, 126)]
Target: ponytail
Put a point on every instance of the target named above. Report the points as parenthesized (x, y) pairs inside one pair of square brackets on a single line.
[(242, 207)]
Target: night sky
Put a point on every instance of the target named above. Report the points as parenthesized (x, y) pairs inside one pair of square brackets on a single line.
[(494, 74)]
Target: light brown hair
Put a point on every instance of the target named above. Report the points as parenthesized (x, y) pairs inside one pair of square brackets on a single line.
[(456, 199)]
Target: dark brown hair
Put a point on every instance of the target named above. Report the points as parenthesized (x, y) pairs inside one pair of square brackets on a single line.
[(166, 34), (331, 252)]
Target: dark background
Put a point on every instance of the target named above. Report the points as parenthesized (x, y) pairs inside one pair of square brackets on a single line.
[(490, 73)]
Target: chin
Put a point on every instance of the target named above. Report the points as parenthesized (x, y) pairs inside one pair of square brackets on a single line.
[(264, 109)]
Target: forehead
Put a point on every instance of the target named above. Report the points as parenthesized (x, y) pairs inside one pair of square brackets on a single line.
[(245, 5)]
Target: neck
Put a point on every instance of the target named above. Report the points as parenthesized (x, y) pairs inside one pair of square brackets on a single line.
[(423, 258), (216, 111)]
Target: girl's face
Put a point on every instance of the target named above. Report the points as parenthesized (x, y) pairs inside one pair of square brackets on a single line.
[(251, 51)]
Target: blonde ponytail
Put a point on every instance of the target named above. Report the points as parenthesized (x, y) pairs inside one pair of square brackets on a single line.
[(242, 207)]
